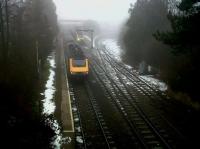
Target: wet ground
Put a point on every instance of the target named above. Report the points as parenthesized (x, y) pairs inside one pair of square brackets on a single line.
[(180, 116), (96, 113)]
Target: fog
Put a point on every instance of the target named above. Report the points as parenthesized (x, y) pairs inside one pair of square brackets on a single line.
[(104, 11)]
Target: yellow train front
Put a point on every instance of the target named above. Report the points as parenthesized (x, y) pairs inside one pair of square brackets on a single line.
[(78, 67), (78, 64)]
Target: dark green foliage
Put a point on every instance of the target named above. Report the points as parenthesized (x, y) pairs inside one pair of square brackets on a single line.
[(145, 18), (29, 22), (21, 128), (184, 41), (179, 29), (186, 5)]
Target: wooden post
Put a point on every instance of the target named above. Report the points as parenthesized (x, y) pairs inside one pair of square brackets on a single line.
[(7, 27), (2, 29), (37, 57)]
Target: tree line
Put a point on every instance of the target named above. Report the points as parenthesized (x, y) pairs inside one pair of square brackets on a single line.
[(27, 31), (165, 34)]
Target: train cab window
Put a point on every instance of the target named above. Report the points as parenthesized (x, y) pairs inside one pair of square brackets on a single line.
[(79, 63)]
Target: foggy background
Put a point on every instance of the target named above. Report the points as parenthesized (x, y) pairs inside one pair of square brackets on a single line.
[(104, 11)]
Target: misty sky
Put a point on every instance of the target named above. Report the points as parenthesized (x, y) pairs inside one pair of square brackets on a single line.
[(108, 11)]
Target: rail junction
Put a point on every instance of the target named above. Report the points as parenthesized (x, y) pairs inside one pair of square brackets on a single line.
[(115, 108)]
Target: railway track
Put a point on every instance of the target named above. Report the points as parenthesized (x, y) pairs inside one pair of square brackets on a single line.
[(90, 126), (151, 129), (146, 135), (138, 103), (143, 86), (159, 100)]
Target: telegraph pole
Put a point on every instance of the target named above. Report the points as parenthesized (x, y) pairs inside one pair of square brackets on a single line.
[(2, 25), (37, 57), (7, 26), (2, 32)]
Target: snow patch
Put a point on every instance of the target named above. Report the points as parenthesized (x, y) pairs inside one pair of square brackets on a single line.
[(79, 139), (155, 82), (112, 46), (49, 105)]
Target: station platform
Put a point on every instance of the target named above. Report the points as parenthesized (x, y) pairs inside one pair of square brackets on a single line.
[(65, 103)]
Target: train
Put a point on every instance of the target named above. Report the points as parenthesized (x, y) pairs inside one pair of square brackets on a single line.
[(77, 62)]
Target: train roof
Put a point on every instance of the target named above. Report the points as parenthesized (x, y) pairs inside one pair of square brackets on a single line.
[(75, 51)]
